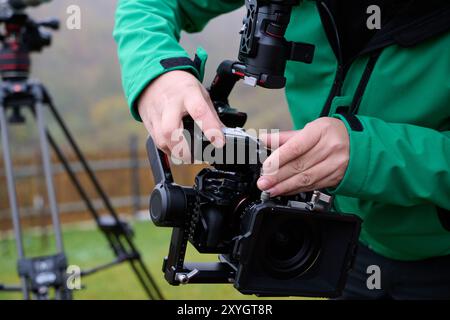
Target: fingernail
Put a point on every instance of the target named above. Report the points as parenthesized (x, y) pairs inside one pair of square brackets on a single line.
[(218, 142), (272, 192), (263, 183)]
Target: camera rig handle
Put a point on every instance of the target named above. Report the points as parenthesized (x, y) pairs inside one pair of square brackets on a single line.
[(159, 162), (226, 78)]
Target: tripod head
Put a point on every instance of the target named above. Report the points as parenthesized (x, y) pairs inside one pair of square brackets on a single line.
[(21, 35)]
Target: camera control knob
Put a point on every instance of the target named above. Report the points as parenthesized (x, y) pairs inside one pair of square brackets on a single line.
[(168, 205)]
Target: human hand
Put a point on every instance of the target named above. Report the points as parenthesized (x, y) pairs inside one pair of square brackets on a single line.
[(311, 159), (167, 100)]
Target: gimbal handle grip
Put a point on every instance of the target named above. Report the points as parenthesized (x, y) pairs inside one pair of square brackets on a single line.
[(159, 163), (225, 80)]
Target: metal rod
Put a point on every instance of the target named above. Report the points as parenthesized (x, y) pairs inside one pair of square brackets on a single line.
[(102, 194), (51, 193), (134, 165), (10, 288), (94, 212), (72, 176), (142, 280), (82, 192), (105, 266), (83, 161), (12, 193)]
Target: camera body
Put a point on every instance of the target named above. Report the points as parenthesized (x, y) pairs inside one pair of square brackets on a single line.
[(283, 246)]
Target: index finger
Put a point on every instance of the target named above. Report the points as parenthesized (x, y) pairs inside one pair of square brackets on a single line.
[(275, 140), (202, 112)]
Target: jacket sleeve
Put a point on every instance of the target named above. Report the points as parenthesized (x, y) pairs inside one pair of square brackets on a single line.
[(400, 164), (148, 31)]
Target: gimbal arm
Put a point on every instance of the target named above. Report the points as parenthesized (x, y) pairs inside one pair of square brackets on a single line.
[(228, 74), (159, 163)]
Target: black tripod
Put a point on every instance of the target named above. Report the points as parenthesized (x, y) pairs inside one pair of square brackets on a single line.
[(39, 275)]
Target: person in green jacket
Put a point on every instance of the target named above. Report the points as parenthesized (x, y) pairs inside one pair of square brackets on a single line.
[(371, 116)]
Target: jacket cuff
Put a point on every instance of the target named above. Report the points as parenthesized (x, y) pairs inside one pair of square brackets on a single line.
[(359, 164), (158, 67)]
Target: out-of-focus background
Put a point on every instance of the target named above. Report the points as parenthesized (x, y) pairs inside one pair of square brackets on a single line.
[(82, 73)]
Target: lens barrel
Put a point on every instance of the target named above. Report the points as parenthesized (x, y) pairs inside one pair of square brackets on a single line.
[(291, 248)]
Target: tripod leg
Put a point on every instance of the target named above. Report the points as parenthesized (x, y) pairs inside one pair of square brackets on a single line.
[(103, 196), (12, 194), (49, 175), (76, 182), (63, 293)]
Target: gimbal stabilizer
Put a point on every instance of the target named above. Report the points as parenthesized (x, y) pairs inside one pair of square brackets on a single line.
[(263, 55)]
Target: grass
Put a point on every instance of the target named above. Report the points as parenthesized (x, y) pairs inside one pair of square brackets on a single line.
[(86, 247)]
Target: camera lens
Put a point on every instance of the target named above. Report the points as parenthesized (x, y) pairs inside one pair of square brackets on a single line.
[(291, 248), (285, 243)]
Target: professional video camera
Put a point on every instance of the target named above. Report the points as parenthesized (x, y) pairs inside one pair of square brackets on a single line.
[(10, 7), (21, 36), (22, 4), (283, 246)]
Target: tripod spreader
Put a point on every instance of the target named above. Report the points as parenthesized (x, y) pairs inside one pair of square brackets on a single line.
[(43, 273)]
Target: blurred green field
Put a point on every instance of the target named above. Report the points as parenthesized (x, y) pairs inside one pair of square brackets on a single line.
[(86, 247)]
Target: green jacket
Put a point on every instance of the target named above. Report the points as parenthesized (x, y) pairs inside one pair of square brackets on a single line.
[(398, 179)]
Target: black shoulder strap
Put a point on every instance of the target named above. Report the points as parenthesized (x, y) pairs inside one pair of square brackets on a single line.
[(418, 21)]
